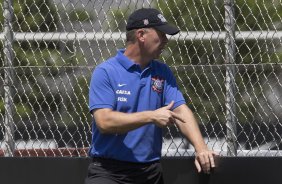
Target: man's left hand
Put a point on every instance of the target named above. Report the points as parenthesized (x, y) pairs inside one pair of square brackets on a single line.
[(205, 160)]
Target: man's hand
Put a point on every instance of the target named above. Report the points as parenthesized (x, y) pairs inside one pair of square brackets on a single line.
[(205, 160), (165, 117)]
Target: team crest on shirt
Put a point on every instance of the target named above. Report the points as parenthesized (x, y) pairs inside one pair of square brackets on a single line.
[(157, 84)]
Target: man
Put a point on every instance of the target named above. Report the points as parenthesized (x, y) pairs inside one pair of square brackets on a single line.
[(132, 97)]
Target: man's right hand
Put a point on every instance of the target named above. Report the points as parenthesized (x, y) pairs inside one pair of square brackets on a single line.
[(164, 116)]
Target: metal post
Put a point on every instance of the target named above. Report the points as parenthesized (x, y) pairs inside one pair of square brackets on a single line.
[(230, 77), (8, 58)]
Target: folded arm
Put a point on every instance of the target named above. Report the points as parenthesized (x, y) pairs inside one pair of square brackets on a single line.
[(113, 122), (190, 129)]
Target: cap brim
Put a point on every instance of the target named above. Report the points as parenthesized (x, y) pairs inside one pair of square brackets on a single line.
[(168, 29)]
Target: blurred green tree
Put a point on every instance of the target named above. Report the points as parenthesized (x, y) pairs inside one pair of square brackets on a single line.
[(42, 69)]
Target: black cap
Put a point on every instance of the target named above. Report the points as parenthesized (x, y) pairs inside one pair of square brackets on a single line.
[(150, 17)]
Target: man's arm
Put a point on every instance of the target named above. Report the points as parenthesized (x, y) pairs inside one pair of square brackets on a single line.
[(113, 122), (190, 129)]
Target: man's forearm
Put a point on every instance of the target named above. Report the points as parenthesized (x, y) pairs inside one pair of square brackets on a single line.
[(204, 158), (113, 122), (190, 128)]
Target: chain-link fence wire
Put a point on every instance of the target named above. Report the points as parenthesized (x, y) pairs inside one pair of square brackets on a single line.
[(49, 49)]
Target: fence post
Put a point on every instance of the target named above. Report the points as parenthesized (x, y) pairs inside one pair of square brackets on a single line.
[(230, 77), (8, 58)]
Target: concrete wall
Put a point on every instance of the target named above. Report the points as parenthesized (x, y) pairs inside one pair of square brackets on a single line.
[(177, 170)]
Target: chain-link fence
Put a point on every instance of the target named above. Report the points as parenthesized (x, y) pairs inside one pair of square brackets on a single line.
[(226, 60)]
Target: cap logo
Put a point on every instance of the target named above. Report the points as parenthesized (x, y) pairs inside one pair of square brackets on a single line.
[(146, 22), (162, 18)]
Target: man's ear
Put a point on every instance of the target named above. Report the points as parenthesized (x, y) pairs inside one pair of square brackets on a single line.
[(140, 35)]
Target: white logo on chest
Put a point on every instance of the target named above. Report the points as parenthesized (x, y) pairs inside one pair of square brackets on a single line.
[(123, 92), (122, 99), (120, 85)]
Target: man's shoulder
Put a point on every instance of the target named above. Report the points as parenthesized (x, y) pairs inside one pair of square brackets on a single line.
[(107, 64)]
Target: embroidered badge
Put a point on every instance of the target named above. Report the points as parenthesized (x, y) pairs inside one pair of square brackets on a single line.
[(157, 84), (146, 22)]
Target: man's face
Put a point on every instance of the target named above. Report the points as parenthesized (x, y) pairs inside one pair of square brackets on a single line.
[(155, 42)]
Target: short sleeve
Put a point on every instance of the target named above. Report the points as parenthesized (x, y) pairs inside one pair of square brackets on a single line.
[(171, 91), (101, 93)]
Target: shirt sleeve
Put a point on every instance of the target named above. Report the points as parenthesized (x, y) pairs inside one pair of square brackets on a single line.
[(172, 92), (101, 93)]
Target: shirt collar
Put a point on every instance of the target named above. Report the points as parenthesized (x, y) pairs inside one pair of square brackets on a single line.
[(125, 61)]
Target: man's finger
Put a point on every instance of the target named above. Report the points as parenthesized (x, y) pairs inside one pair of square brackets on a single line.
[(212, 160), (170, 105), (178, 117), (207, 164), (215, 158), (172, 120), (198, 166)]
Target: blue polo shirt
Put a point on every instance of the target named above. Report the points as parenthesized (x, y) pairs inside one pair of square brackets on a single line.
[(121, 85)]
